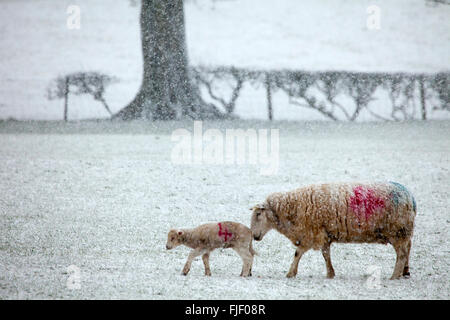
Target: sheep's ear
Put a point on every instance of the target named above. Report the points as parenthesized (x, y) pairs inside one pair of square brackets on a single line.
[(261, 206), (271, 215)]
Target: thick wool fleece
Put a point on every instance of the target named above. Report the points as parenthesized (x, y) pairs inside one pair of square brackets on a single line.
[(344, 212)]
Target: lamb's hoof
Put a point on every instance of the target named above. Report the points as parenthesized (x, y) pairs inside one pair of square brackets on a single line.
[(291, 275), (208, 274), (394, 278), (330, 276), (184, 272)]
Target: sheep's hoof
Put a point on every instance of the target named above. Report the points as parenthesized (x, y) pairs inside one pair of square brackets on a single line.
[(208, 274), (185, 272), (406, 273), (330, 276)]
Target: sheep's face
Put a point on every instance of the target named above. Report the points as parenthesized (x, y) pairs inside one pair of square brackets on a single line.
[(174, 239), (260, 223)]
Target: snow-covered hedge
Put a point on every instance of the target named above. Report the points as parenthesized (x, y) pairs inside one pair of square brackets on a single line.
[(338, 95), (91, 83)]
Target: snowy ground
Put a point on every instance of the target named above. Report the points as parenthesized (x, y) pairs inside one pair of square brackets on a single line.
[(36, 46), (100, 197)]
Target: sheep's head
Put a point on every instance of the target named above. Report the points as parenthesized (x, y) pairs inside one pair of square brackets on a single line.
[(261, 221), (174, 239)]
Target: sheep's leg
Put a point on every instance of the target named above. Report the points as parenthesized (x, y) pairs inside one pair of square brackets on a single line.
[(192, 255), (247, 260), (401, 249), (205, 259), (326, 256), (406, 268), (294, 266)]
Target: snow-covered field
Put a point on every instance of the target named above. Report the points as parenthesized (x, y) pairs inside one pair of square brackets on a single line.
[(89, 204), (36, 46)]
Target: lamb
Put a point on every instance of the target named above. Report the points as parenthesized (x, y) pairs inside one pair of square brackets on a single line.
[(317, 215), (208, 237)]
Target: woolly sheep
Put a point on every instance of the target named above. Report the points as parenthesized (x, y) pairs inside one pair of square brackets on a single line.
[(315, 216), (208, 237)]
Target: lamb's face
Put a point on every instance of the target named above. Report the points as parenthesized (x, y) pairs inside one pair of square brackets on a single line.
[(173, 239), (260, 223)]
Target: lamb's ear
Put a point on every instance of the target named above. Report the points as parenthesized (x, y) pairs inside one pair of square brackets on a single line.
[(261, 206)]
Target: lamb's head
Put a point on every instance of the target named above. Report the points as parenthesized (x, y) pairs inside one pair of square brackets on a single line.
[(262, 218), (174, 239)]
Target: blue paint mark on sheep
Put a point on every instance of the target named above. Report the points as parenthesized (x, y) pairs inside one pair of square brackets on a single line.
[(401, 193)]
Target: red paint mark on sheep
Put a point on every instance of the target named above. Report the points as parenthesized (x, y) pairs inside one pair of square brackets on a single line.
[(223, 233), (365, 202)]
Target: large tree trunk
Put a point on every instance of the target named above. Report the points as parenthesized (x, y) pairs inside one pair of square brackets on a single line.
[(166, 91)]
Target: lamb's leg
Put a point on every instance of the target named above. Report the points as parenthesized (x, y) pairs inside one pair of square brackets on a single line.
[(406, 268), (401, 249), (294, 266), (326, 256), (205, 259), (251, 266), (252, 253), (247, 260), (192, 255)]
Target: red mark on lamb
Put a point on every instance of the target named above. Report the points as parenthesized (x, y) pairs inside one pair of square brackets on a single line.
[(365, 202), (223, 233)]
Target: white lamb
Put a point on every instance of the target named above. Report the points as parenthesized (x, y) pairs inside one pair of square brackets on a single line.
[(208, 237)]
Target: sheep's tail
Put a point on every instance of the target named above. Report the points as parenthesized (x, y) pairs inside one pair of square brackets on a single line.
[(252, 251)]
